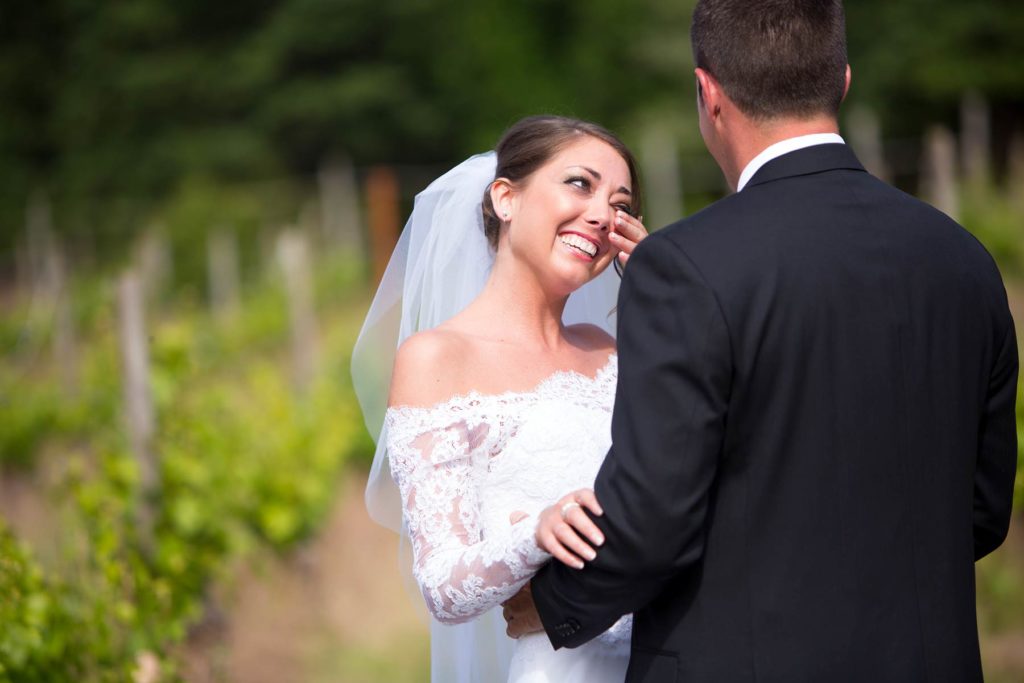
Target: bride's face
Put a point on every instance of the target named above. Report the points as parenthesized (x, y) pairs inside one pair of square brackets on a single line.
[(560, 217)]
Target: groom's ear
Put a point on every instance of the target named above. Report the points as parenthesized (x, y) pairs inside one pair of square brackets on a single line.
[(708, 93), (846, 88)]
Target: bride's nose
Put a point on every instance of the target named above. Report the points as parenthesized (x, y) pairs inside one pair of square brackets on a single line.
[(599, 216)]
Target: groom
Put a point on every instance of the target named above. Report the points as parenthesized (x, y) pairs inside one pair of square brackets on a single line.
[(814, 433)]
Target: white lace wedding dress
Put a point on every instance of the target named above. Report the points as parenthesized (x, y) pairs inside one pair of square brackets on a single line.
[(464, 465)]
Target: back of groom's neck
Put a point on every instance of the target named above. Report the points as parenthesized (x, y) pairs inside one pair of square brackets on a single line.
[(776, 130), (756, 136)]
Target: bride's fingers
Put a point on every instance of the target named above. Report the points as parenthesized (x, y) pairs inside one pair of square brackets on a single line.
[(517, 517), (588, 499), (558, 538), (628, 232), (574, 542), (582, 524), (558, 551)]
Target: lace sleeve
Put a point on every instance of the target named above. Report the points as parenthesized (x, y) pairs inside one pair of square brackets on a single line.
[(461, 573)]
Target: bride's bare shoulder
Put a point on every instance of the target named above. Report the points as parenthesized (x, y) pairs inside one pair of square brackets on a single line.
[(428, 367), (591, 337)]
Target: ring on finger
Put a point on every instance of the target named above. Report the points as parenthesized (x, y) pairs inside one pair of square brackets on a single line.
[(568, 506)]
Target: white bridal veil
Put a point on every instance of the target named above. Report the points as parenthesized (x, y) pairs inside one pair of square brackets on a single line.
[(440, 264)]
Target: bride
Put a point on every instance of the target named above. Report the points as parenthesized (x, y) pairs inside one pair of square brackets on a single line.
[(501, 391)]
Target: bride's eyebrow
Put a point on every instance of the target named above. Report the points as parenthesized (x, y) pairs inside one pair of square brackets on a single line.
[(597, 176)]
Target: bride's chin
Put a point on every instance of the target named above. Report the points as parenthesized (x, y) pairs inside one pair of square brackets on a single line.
[(566, 277), (570, 284)]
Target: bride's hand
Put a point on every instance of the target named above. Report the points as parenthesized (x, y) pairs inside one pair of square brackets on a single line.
[(560, 527), (628, 233)]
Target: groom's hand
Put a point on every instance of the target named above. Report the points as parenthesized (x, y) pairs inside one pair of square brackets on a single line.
[(521, 614)]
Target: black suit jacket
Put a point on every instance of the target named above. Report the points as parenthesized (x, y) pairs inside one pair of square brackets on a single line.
[(813, 440)]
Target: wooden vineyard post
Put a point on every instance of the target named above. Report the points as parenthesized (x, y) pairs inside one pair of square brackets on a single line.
[(156, 265), (938, 175), (1015, 170), (65, 348), (663, 194), (382, 207), (38, 243), (975, 139), (138, 402), (339, 204), (223, 274), (866, 139), (293, 256)]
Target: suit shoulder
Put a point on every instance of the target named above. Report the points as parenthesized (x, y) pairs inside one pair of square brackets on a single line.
[(709, 221), (965, 241)]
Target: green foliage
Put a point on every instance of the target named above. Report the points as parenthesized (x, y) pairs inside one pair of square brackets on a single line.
[(247, 464), (1018, 490), (114, 109), (33, 406), (994, 217), (50, 633), (27, 419), (25, 611), (913, 60), (1000, 586)]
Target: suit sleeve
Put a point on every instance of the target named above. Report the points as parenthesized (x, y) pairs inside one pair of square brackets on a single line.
[(667, 433), (997, 451)]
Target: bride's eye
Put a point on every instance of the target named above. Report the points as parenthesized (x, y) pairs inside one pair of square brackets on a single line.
[(578, 181), (624, 208)]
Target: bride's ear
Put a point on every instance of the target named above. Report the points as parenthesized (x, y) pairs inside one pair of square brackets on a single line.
[(502, 196)]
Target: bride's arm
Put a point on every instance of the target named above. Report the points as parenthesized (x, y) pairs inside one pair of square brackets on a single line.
[(461, 572)]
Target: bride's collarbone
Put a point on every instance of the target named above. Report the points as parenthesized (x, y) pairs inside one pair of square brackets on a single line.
[(518, 372), (435, 366)]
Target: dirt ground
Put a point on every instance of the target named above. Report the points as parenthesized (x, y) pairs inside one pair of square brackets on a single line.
[(335, 611)]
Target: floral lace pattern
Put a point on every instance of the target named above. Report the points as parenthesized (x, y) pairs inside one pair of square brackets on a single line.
[(465, 465)]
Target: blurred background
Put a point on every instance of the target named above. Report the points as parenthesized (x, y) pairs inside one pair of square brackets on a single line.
[(196, 200)]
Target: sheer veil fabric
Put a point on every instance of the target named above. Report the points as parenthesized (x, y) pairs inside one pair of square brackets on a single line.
[(440, 264)]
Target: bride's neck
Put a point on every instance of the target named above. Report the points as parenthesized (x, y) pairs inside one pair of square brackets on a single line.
[(519, 303)]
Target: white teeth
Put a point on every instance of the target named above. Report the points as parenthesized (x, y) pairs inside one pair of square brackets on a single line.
[(586, 246)]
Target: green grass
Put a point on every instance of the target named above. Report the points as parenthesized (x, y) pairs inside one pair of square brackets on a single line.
[(405, 660)]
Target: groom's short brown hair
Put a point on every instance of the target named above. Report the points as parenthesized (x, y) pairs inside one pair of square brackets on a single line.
[(774, 58)]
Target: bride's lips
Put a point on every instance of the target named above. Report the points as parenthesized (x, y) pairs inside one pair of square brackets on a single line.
[(589, 238)]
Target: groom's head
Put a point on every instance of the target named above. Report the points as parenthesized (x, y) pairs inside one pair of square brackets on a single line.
[(765, 66), (774, 58)]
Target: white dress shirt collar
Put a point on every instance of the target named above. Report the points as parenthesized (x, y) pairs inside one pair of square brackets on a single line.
[(784, 147)]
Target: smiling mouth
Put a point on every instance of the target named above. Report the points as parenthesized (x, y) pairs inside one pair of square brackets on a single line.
[(585, 246)]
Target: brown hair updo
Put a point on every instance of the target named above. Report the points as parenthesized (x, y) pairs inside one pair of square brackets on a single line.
[(530, 142)]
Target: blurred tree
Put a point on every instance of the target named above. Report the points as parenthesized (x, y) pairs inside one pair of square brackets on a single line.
[(913, 60), (113, 107)]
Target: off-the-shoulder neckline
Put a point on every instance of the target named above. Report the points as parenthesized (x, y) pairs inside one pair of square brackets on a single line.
[(505, 396)]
